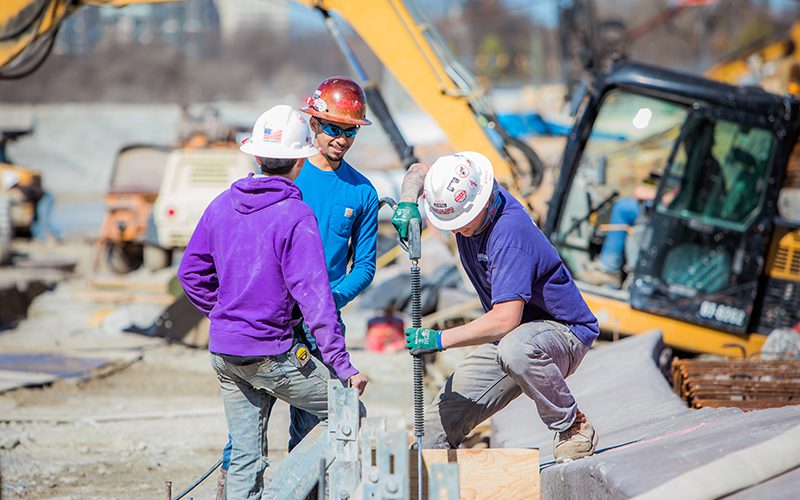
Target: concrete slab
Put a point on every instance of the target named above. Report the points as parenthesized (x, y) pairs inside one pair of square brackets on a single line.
[(783, 487), (647, 434)]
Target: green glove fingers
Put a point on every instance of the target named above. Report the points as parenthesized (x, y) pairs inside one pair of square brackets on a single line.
[(406, 211), (423, 340)]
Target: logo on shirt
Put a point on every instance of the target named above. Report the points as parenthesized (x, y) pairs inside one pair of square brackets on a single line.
[(482, 257), (348, 212)]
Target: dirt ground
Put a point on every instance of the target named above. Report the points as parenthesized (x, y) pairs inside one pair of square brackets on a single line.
[(154, 415)]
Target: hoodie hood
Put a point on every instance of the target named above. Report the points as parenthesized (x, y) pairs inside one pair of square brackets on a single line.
[(252, 194)]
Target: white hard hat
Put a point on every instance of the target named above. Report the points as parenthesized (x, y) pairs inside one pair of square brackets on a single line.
[(280, 132), (10, 179), (457, 188)]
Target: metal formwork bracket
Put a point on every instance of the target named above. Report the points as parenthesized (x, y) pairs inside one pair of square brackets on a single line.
[(384, 461), (443, 482), (344, 473)]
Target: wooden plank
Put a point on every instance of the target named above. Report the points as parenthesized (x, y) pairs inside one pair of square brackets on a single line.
[(487, 473)]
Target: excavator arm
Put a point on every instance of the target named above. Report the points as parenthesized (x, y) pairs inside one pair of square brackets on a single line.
[(396, 31), (402, 42), (28, 30)]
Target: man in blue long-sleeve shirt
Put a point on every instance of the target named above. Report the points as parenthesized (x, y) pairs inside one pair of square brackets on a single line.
[(344, 201)]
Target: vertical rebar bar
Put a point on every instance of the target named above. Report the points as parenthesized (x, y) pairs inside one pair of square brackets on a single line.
[(416, 322)]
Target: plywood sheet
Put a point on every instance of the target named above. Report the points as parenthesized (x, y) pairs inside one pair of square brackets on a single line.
[(503, 473)]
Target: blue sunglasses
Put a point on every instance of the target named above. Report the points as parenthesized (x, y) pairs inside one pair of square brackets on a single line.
[(334, 131)]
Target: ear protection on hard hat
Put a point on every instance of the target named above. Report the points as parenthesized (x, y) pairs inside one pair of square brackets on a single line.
[(457, 188), (280, 132), (339, 99)]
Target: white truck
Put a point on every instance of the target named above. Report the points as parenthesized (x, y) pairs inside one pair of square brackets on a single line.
[(192, 179)]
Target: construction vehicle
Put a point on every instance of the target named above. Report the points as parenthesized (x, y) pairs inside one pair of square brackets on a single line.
[(20, 192), (157, 194), (710, 261), (192, 179), (634, 121), (133, 188)]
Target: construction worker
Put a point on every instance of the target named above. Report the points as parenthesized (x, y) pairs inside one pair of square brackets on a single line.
[(254, 255), (536, 328), (344, 202), (346, 207)]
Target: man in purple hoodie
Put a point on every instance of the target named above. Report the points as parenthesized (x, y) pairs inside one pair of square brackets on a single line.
[(255, 253)]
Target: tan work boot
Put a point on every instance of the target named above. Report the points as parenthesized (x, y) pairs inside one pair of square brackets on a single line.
[(221, 484), (594, 274), (579, 441)]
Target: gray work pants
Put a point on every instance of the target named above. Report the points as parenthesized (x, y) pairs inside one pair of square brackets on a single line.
[(249, 392), (534, 359)]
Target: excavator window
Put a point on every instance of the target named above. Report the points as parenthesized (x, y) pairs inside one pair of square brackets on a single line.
[(719, 174), (629, 147)]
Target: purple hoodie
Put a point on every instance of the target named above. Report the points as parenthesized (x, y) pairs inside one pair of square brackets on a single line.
[(254, 254)]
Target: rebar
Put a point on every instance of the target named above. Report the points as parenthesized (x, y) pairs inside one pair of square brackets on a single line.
[(416, 322)]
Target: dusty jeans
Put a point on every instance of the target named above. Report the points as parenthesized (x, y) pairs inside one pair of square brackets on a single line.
[(248, 392), (534, 359)]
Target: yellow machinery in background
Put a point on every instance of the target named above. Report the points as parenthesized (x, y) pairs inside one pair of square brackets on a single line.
[(27, 188), (773, 64)]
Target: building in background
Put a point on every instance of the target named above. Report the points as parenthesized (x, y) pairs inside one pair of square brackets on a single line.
[(191, 28), (236, 16)]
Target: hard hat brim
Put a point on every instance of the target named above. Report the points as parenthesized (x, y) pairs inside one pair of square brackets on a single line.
[(487, 183), (276, 150), (336, 119)]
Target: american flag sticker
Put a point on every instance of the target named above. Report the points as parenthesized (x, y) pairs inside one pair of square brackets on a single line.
[(348, 212), (272, 135)]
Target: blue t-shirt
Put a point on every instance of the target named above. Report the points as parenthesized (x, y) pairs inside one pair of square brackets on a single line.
[(513, 260), (346, 206)]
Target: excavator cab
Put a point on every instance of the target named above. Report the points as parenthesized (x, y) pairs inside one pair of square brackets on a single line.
[(670, 193)]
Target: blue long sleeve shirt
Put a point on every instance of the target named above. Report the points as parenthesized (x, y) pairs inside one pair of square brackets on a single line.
[(346, 206)]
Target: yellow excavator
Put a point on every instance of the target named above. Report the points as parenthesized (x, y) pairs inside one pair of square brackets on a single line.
[(713, 260)]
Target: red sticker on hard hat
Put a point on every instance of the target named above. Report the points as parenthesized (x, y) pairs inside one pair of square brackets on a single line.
[(463, 171), (460, 196)]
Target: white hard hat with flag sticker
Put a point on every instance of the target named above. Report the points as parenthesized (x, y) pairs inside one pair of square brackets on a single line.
[(280, 132)]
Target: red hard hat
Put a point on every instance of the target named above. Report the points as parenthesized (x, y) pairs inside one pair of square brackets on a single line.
[(339, 99)]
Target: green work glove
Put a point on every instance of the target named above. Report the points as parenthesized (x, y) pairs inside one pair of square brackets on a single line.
[(423, 340), (406, 211)]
